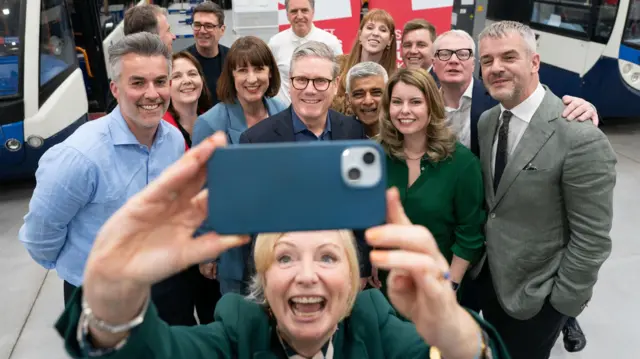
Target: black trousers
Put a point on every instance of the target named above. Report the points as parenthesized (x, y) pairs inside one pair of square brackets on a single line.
[(176, 297), (525, 339)]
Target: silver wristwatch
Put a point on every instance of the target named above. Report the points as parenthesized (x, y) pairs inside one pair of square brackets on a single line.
[(87, 318), (90, 319)]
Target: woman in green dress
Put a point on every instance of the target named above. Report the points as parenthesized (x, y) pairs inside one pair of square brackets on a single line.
[(305, 302), (439, 179)]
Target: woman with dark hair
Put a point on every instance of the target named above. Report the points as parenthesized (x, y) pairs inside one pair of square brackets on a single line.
[(246, 87), (190, 96)]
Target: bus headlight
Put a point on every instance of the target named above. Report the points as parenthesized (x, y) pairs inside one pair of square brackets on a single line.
[(35, 141), (626, 68), (13, 145)]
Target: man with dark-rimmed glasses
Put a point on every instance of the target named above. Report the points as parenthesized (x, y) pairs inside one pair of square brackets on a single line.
[(313, 78), (208, 28)]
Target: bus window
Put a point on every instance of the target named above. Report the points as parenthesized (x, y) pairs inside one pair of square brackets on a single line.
[(10, 48), (568, 17), (632, 28), (514, 10), (57, 47), (607, 13)]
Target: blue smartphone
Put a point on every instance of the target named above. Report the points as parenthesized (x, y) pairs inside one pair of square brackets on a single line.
[(296, 186)]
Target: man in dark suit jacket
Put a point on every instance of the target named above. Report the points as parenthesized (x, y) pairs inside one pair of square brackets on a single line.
[(466, 98), (313, 74)]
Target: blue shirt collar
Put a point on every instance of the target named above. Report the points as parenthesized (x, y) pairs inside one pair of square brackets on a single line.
[(122, 135), (299, 126)]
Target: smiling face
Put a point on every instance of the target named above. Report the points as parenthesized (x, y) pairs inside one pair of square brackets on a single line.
[(251, 82), (408, 110), (142, 90), (300, 15), (309, 103), (366, 94), (309, 284), (454, 71), (374, 37), (186, 82), (207, 39), (416, 49), (509, 69)]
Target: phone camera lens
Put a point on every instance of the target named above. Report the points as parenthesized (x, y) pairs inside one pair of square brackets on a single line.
[(354, 174), (368, 158)]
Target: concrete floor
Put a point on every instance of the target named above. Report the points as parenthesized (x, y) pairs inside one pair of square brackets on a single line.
[(32, 298)]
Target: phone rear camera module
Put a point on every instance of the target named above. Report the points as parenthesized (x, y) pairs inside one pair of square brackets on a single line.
[(354, 174), (369, 158)]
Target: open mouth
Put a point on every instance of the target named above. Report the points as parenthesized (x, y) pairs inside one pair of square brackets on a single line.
[(311, 102), (369, 110), (307, 307), (188, 90), (252, 88), (406, 121), (414, 59)]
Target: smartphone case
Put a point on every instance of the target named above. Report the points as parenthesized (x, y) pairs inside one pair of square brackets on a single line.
[(287, 187)]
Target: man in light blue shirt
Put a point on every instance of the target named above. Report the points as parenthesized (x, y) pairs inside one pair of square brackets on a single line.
[(82, 181)]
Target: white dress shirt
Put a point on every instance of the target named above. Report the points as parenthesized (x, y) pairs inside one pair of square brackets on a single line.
[(459, 119), (522, 115), (284, 43)]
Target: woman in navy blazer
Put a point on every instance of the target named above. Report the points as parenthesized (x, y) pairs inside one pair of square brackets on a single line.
[(249, 80)]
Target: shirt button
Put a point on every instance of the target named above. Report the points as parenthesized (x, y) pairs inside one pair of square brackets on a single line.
[(493, 215)]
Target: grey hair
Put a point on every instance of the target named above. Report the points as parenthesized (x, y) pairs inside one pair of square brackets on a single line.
[(315, 49), (502, 28), (461, 34), (365, 69), (141, 43), (312, 3)]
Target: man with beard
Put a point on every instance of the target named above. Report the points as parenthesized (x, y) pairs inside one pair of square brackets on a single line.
[(208, 29), (82, 181), (465, 99), (549, 193), (365, 86)]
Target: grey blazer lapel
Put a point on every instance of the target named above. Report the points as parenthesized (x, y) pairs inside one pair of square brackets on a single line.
[(533, 139), (486, 150)]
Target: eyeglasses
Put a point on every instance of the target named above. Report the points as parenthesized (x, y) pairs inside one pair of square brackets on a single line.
[(301, 83), (461, 54), (208, 26)]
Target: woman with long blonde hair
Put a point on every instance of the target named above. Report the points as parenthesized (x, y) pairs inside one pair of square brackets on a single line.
[(440, 180), (376, 42)]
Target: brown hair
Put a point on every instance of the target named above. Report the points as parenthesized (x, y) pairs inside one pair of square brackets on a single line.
[(210, 7), (388, 60), (204, 101), (247, 50), (143, 18), (419, 24), (441, 141)]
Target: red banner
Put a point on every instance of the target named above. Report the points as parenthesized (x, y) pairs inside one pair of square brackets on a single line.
[(339, 17), (437, 12)]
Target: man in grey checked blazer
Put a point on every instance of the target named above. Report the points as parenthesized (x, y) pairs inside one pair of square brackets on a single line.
[(549, 192)]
